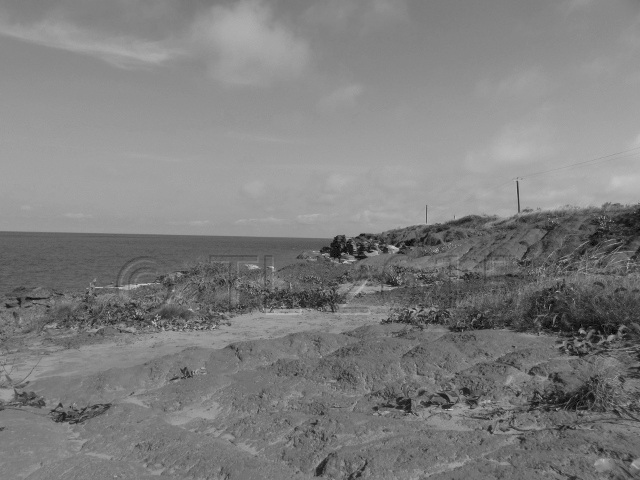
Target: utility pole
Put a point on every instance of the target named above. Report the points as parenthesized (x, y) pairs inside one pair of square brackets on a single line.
[(426, 214), (518, 192)]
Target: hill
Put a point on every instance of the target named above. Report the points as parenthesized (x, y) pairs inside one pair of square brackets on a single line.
[(534, 238)]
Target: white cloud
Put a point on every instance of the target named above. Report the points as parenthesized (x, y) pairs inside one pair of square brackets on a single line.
[(255, 189), (247, 46), (331, 189), (261, 221), (26, 208), (631, 35), (531, 82), (570, 6), (334, 13), (342, 97), (260, 138), (521, 143), (78, 216), (121, 51), (517, 143), (198, 223), (152, 157), (635, 143), (315, 218), (390, 8), (379, 216), (366, 15), (242, 43), (599, 67), (625, 184), (338, 182)]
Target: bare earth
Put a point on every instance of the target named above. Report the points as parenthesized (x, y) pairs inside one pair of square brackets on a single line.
[(300, 396)]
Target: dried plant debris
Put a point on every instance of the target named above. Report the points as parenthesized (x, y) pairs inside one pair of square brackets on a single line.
[(186, 373), (9, 381), (73, 414), (445, 400), (419, 316), (473, 321), (196, 323), (592, 342), (458, 320), (24, 399), (600, 393)]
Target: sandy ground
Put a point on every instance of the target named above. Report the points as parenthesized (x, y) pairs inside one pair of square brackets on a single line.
[(29, 440), (309, 395), (127, 350)]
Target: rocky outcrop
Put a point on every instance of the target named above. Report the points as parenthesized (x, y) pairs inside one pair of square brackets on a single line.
[(363, 246), (23, 297), (309, 255), (530, 238)]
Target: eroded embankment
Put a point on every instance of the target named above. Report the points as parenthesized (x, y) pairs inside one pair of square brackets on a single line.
[(341, 406), (534, 239)]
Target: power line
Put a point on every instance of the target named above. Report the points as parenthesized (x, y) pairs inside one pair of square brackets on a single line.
[(605, 158), (593, 161)]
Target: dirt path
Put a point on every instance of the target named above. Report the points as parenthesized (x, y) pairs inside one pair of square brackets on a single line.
[(128, 350)]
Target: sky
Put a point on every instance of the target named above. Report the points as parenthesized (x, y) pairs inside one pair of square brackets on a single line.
[(309, 118)]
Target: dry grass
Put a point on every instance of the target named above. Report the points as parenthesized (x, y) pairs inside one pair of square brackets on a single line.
[(597, 287), (608, 390), (171, 311)]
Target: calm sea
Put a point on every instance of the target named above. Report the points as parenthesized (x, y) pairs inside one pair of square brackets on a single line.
[(69, 261)]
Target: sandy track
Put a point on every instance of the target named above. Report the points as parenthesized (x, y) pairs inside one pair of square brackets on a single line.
[(132, 349)]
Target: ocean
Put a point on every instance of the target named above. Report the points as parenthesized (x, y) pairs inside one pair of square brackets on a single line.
[(70, 261)]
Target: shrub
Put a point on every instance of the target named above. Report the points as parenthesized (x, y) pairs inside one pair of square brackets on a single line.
[(584, 303), (64, 313), (318, 299), (171, 311), (604, 391)]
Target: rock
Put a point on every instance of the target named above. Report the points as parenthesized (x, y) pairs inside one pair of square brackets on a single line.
[(171, 278), (11, 303), (26, 297), (374, 253), (404, 248), (309, 255), (37, 293), (390, 249), (6, 395), (108, 330), (352, 247), (40, 293)]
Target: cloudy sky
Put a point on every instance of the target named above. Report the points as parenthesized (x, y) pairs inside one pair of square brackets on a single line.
[(311, 118)]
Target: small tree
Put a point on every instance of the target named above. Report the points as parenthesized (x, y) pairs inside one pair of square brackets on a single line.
[(338, 245)]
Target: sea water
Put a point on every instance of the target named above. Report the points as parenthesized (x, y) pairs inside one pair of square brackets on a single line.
[(70, 261)]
